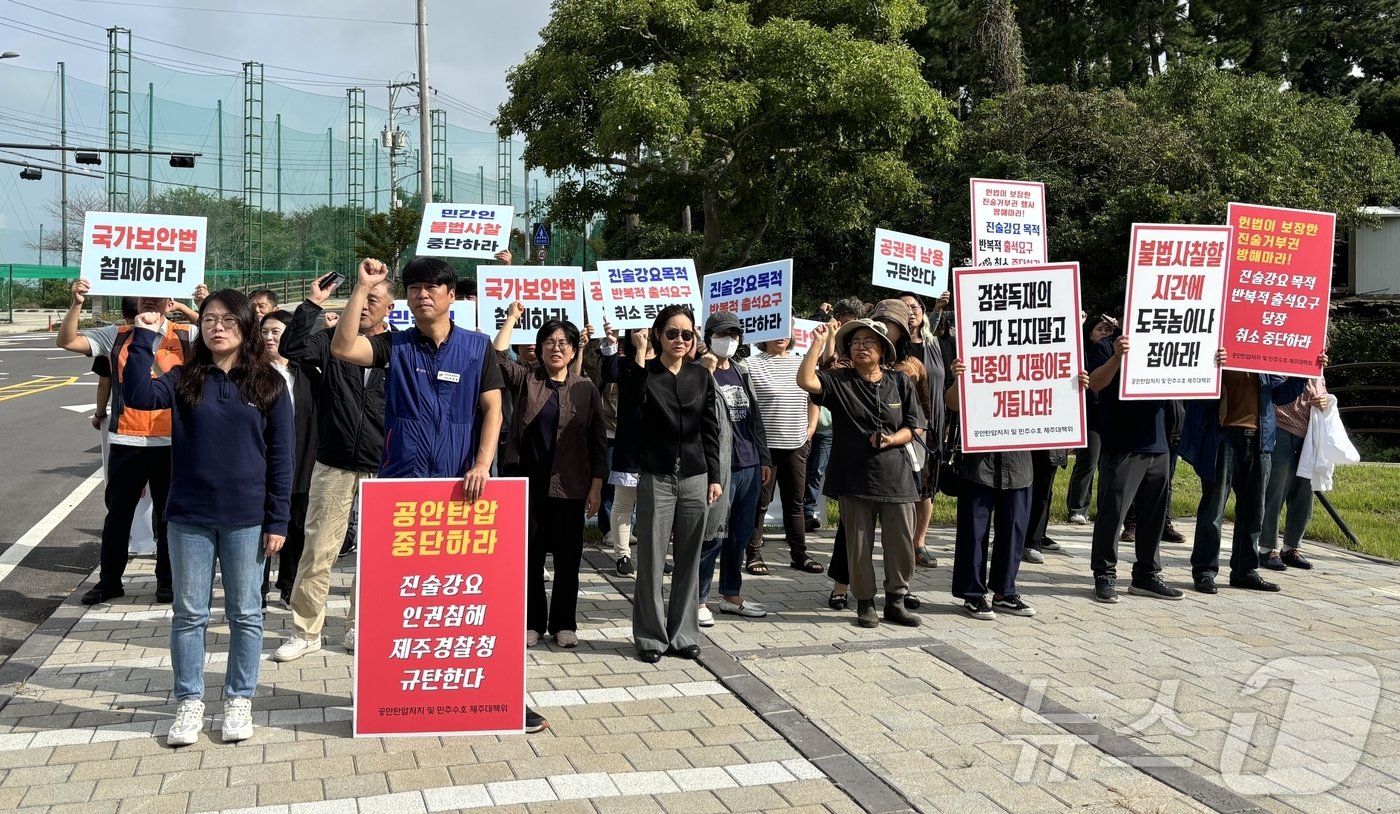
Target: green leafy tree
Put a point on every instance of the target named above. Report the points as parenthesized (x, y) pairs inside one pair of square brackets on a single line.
[(389, 236), (755, 119), (1176, 150)]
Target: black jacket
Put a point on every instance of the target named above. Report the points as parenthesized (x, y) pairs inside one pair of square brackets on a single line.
[(349, 404), (305, 381), (679, 423)]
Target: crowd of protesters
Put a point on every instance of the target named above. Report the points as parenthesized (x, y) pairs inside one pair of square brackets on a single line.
[(251, 427)]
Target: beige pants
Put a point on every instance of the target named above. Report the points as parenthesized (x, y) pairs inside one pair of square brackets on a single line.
[(896, 543), (333, 493)]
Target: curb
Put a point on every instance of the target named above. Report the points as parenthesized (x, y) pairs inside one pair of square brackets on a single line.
[(40, 644)]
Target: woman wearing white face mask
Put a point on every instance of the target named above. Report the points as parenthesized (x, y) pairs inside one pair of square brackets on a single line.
[(744, 450)]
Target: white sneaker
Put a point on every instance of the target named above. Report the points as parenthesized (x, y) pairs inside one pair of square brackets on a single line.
[(705, 616), (296, 647), (238, 719), (189, 722), (1078, 519), (348, 641)]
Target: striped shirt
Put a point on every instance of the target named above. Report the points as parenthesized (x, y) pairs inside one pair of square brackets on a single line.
[(781, 403)]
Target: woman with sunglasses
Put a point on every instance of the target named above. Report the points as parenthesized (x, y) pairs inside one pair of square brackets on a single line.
[(678, 457), (557, 440), (232, 442)]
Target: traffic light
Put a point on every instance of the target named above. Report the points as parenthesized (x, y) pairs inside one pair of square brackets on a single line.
[(31, 174), (183, 162), (88, 158)]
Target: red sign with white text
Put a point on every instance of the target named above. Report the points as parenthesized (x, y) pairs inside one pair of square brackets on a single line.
[(441, 598), (1278, 289)]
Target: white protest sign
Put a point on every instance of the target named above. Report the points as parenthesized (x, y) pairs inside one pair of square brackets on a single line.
[(1008, 223), (1018, 335), (133, 255), (1174, 312), (635, 291), (464, 230), (593, 296), (910, 263), (463, 315), (548, 292), (761, 296)]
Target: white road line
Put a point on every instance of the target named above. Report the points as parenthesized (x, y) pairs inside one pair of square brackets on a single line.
[(80, 408), (562, 787), (16, 553)]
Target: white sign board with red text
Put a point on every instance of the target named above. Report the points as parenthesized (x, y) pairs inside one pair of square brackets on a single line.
[(910, 263), (1019, 336), (134, 255), (1008, 223), (547, 292), (1174, 312), (464, 230)]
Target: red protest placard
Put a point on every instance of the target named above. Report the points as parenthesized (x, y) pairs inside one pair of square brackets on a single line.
[(1278, 289), (441, 599)]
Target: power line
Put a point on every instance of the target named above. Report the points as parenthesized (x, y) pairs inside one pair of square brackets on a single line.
[(245, 13)]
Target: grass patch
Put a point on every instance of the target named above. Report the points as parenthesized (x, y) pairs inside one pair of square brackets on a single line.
[(1367, 496)]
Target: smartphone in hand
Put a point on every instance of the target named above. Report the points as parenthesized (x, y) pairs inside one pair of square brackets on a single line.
[(335, 278)]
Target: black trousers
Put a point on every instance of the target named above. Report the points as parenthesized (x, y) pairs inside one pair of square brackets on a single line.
[(1131, 480), (790, 479), (556, 527), (1042, 490), (290, 555), (129, 470)]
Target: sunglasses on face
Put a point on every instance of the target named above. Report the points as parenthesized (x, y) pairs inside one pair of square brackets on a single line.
[(673, 334)]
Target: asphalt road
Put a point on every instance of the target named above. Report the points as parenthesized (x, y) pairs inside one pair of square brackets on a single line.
[(46, 452)]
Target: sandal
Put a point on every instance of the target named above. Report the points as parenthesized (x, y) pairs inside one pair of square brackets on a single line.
[(809, 565), (756, 567), (911, 602), (836, 601), (923, 557)]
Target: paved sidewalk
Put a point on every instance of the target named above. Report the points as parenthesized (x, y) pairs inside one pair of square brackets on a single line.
[(1232, 703)]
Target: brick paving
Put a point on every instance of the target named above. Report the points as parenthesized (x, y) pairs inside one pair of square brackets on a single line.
[(1233, 703)]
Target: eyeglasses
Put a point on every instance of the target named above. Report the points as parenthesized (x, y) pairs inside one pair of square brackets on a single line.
[(865, 343), (915, 307), (675, 333), (228, 321), (556, 344)]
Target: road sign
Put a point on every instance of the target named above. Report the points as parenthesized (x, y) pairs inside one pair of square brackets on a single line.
[(541, 254), (540, 234)]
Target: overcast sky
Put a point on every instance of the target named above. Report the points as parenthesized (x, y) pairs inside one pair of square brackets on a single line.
[(317, 46), (472, 43)]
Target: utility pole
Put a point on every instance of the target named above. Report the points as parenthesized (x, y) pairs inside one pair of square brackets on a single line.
[(481, 182), (330, 168), (150, 140), (425, 143), (279, 163), (63, 176), (395, 140), (41, 244), (219, 125)]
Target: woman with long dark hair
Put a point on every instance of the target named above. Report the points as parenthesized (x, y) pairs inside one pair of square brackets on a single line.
[(557, 440), (678, 455), (232, 442)]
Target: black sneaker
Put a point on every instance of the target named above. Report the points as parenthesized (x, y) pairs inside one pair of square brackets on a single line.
[(813, 524), (1154, 586), (978, 608), (624, 566), (1252, 582), (1293, 558), (1106, 590), (1046, 544), (96, 595), (667, 568), (286, 597), (1012, 604), (534, 722), (346, 548), (165, 595), (1205, 583)]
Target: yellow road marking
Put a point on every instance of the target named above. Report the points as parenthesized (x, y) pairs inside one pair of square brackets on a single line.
[(36, 385)]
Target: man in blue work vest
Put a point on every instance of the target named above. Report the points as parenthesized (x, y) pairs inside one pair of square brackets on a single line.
[(442, 397)]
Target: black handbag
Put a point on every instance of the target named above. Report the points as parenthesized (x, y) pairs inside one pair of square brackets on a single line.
[(950, 477)]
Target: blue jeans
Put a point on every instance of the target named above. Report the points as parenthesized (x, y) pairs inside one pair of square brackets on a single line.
[(1286, 491), (1238, 465), (744, 486), (816, 470), (193, 551)]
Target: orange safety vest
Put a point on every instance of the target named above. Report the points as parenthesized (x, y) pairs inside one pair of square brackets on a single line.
[(172, 352)]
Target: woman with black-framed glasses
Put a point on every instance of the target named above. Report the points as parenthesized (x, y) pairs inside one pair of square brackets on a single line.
[(678, 455)]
